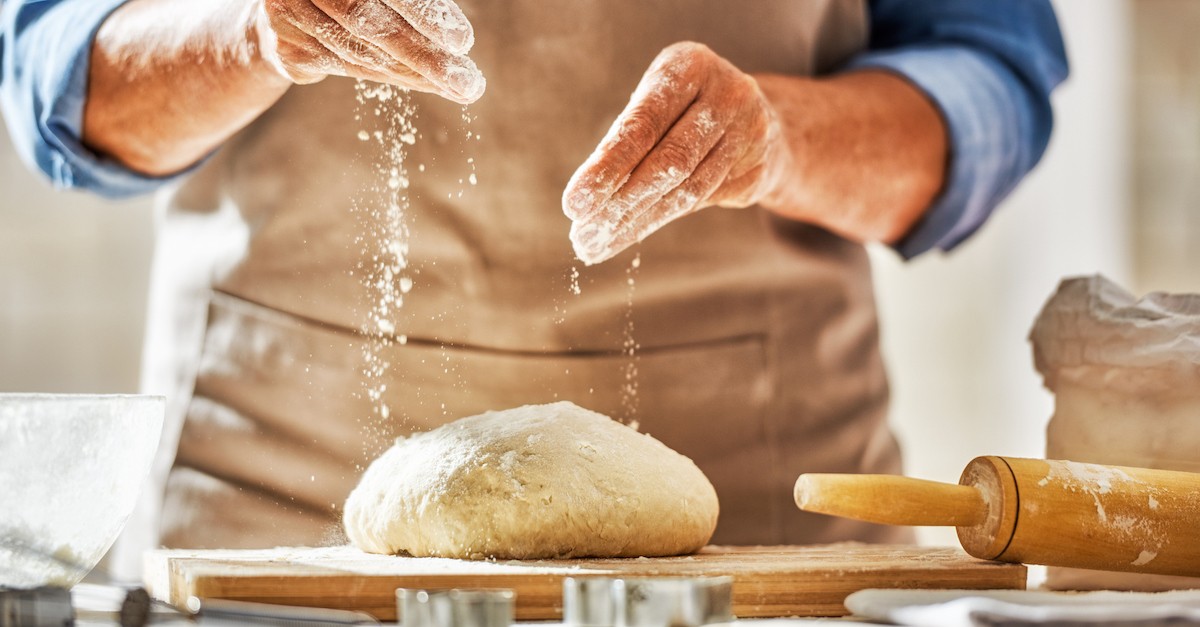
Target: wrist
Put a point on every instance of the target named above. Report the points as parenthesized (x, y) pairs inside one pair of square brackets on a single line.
[(868, 153), (779, 165), (784, 191)]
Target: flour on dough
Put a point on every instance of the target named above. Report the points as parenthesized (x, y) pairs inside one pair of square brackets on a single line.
[(541, 481)]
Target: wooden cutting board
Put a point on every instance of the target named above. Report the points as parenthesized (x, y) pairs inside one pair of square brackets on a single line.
[(768, 581)]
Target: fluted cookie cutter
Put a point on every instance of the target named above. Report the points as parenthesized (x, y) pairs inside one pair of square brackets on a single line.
[(647, 601), (454, 608)]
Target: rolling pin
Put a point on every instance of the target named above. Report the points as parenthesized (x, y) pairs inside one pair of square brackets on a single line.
[(1033, 511)]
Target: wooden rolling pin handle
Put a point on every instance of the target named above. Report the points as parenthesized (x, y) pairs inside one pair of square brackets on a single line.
[(891, 500), (1052, 512)]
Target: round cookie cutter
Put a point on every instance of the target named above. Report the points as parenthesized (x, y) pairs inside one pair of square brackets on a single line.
[(647, 601), (454, 608)]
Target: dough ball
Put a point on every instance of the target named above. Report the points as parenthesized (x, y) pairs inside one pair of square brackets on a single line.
[(541, 481)]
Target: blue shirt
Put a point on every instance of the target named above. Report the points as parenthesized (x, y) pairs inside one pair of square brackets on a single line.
[(988, 66)]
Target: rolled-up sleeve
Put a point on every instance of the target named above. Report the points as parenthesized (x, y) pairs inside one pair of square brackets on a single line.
[(43, 86), (989, 67)]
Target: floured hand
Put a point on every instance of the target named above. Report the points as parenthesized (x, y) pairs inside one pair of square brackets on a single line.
[(697, 133), (415, 44)]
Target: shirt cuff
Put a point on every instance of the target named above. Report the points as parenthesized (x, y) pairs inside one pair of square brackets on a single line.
[(44, 91), (975, 95)]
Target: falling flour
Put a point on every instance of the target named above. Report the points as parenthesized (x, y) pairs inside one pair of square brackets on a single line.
[(575, 289), (385, 235), (450, 364), (629, 389)]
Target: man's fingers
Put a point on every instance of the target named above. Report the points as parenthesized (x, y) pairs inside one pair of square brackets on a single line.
[(370, 35), (412, 81), (689, 197), (306, 19), (664, 94), (442, 21), (458, 76), (597, 240), (379, 24), (310, 60), (698, 132), (669, 163), (613, 224), (399, 44)]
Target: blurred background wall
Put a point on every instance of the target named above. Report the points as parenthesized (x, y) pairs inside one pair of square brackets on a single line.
[(1115, 194), (73, 274), (1165, 169)]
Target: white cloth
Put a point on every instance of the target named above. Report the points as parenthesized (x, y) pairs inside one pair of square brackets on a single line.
[(980, 608)]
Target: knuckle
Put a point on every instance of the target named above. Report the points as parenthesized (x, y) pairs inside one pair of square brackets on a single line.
[(734, 88), (638, 129)]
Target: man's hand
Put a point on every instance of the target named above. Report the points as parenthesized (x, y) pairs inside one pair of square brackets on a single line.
[(862, 154), (698, 132), (414, 44)]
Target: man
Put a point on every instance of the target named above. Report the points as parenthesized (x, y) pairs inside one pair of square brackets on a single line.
[(752, 184)]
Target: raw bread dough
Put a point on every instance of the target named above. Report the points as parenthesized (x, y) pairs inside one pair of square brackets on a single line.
[(540, 481)]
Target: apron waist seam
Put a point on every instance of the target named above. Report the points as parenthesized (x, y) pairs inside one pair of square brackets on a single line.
[(361, 336)]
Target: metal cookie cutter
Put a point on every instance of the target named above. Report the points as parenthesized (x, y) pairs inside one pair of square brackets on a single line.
[(455, 608), (647, 602)]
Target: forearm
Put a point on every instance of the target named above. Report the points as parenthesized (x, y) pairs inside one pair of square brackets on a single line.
[(170, 80), (866, 153)]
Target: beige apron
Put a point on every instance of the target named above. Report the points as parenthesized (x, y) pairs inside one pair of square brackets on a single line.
[(757, 339)]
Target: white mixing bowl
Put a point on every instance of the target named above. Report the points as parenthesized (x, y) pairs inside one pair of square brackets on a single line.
[(71, 469)]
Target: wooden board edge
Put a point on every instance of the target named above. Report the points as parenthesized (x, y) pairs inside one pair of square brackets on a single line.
[(189, 578)]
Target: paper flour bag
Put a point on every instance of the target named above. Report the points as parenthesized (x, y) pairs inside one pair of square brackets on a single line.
[(1125, 374)]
